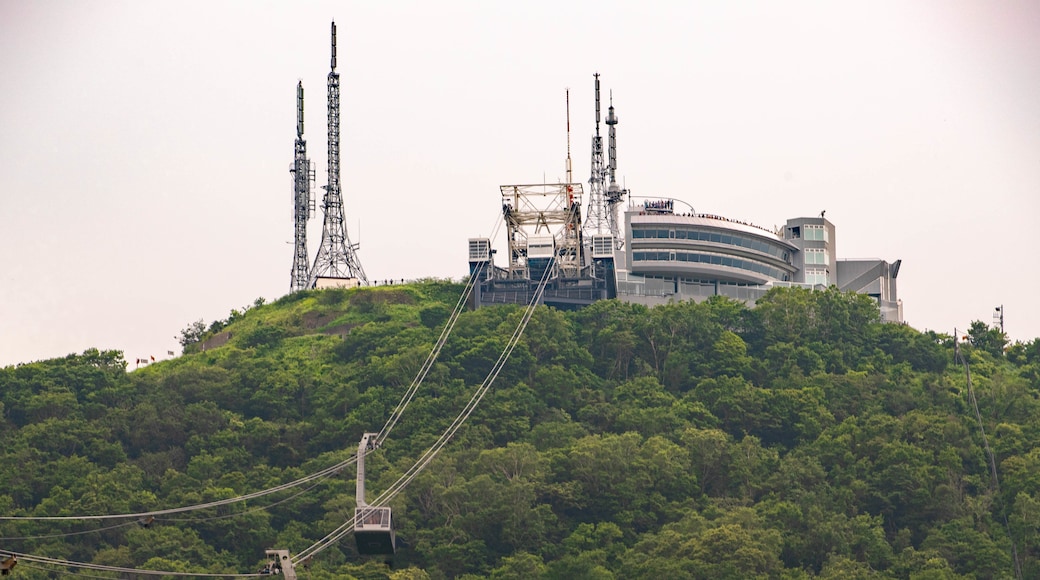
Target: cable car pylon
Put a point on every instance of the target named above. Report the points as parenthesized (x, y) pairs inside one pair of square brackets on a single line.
[(279, 563)]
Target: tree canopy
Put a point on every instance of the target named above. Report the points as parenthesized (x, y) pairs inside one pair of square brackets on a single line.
[(799, 439)]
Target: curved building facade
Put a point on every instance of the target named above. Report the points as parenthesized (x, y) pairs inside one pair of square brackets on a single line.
[(699, 246), (680, 256)]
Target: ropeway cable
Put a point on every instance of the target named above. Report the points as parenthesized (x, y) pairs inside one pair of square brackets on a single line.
[(398, 486), (103, 568), (243, 512), (187, 520), (62, 535), (995, 483), (395, 416), (460, 306), (349, 526), (432, 452), (320, 474), (61, 572)]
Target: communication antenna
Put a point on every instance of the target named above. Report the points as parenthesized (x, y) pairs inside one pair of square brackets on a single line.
[(302, 171), (596, 217), (337, 257), (615, 194), (570, 178)]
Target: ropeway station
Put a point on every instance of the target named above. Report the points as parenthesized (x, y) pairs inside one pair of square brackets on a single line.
[(545, 243)]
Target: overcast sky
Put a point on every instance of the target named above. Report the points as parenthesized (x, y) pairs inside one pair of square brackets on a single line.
[(145, 146)]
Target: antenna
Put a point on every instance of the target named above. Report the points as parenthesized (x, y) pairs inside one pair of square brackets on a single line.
[(611, 141), (333, 46), (570, 179), (615, 195), (303, 205), (597, 103), (299, 109), (336, 256), (596, 217)]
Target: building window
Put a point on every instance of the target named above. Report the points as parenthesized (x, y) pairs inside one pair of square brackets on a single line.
[(815, 276), (729, 239), (816, 256), (815, 232)]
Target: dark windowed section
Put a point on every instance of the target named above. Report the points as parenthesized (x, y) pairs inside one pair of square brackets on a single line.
[(714, 237), (714, 259)]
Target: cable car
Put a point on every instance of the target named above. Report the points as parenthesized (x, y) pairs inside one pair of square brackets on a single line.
[(373, 531), (373, 525)]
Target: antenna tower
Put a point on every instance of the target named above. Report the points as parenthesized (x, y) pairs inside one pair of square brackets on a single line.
[(336, 257), (596, 222), (303, 209), (615, 195)]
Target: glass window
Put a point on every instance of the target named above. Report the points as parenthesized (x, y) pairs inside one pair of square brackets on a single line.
[(816, 256), (816, 232), (815, 276)]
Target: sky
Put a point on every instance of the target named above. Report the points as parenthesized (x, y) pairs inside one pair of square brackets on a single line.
[(145, 146)]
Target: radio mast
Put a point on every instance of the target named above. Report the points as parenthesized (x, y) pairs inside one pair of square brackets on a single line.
[(303, 204), (596, 222), (615, 195), (336, 257)]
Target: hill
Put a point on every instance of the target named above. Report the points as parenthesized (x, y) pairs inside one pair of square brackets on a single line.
[(799, 439)]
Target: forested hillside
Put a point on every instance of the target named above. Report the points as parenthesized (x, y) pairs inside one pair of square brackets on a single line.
[(799, 439)]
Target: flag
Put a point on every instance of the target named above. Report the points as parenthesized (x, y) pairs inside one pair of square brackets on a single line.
[(153, 358)]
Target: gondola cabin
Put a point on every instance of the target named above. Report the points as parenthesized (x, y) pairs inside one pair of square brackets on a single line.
[(373, 531)]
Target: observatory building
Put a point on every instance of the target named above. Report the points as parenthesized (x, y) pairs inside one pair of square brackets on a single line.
[(671, 256), (655, 254), (682, 256)]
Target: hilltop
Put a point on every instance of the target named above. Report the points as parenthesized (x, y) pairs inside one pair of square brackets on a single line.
[(799, 439)]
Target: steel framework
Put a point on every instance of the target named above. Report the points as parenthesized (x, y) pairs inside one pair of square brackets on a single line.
[(337, 257), (303, 204), (597, 218), (544, 210)]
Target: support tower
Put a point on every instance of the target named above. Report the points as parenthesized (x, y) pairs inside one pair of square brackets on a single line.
[(596, 223), (303, 204), (337, 261)]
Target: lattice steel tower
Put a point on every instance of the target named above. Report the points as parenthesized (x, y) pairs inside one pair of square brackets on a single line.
[(336, 256), (596, 221), (615, 195), (303, 204)]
